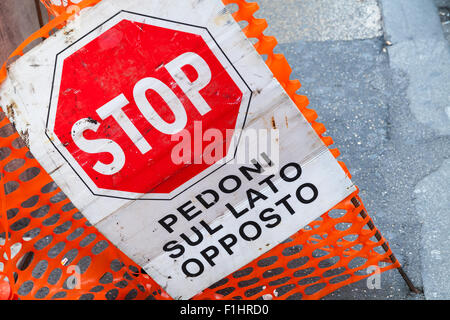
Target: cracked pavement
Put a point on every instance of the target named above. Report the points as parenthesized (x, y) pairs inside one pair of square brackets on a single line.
[(378, 75)]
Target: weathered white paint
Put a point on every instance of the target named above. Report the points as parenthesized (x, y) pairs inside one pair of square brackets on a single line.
[(132, 225)]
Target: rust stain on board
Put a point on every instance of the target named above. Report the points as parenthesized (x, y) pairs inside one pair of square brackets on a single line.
[(67, 32), (274, 125), (12, 112)]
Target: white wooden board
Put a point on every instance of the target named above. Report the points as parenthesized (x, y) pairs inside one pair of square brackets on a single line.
[(275, 200)]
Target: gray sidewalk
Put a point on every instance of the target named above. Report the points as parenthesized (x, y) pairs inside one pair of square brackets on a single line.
[(378, 74)]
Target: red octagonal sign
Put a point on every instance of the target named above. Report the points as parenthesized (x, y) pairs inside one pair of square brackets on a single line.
[(128, 93)]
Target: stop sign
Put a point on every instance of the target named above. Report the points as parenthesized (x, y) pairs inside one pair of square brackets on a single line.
[(129, 94), (123, 99)]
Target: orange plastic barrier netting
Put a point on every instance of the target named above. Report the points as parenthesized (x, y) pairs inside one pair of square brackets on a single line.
[(48, 250)]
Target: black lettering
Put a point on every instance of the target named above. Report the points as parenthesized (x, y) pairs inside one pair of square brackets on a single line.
[(227, 242), (253, 196), (285, 203), (167, 225), (234, 212), (266, 218), (174, 245), (267, 159), (269, 182), (211, 202), (244, 233), (195, 242), (236, 180), (312, 188), (256, 169), (297, 174), (192, 274), (208, 228), (209, 257), (186, 211)]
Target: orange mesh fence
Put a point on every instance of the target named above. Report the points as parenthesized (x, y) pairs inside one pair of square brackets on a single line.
[(48, 250)]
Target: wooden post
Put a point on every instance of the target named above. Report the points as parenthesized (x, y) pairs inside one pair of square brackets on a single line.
[(18, 20)]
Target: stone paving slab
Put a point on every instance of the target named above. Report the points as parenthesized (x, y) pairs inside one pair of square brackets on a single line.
[(384, 98), (320, 20), (432, 203), (421, 51)]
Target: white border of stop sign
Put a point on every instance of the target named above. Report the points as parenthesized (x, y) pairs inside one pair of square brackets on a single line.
[(121, 100)]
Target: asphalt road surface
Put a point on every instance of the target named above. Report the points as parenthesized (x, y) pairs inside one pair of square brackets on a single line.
[(378, 74)]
